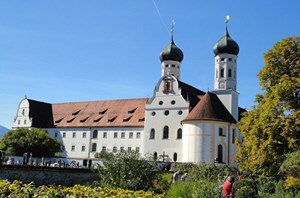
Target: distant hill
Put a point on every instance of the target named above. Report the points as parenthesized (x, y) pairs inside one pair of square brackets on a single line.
[(3, 130)]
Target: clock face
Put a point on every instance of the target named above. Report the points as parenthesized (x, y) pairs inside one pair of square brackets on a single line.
[(222, 85)]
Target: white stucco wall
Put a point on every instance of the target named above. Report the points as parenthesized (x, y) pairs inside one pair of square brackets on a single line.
[(109, 142), (156, 118), (201, 140), (22, 117)]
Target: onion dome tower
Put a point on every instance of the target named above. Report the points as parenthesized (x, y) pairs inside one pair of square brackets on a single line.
[(226, 51), (225, 81), (171, 57)]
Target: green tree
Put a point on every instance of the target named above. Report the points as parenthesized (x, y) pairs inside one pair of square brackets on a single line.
[(291, 165), (271, 128), (128, 170), (104, 155), (24, 140)]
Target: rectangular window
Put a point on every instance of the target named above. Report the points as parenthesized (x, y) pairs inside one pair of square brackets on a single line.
[(222, 73), (73, 148), (104, 134), (74, 135), (25, 121), (56, 134), (233, 136), (83, 148), (19, 122), (84, 135), (137, 149), (130, 135), (64, 134), (123, 135), (103, 148), (115, 149), (129, 149), (138, 135), (122, 148), (115, 134), (229, 73), (221, 132)]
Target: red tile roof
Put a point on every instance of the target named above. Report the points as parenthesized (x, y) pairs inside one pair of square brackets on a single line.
[(105, 113), (210, 108)]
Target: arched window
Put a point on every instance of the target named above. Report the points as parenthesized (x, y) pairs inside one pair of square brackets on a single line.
[(95, 134), (166, 132), (155, 156), (152, 134), (220, 153), (94, 147), (179, 133), (175, 157)]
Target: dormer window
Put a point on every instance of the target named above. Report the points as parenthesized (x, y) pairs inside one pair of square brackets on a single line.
[(132, 111), (102, 112), (75, 112)]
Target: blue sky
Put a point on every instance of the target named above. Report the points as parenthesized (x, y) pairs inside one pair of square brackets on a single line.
[(75, 50)]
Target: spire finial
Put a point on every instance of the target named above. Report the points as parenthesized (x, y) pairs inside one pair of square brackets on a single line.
[(172, 28), (227, 21)]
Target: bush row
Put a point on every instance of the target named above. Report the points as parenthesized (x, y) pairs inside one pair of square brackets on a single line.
[(20, 190)]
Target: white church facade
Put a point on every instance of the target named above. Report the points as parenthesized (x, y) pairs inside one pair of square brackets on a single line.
[(178, 123)]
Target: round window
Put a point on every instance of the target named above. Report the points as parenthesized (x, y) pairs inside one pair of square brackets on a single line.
[(179, 112), (153, 113), (173, 102), (160, 102), (167, 112)]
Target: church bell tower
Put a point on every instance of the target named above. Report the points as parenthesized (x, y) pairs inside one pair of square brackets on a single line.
[(225, 80)]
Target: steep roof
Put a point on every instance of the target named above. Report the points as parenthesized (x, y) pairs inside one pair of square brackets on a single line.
[(210, 108), (241, 111), (40, 113), (190, 93), (105, 113)]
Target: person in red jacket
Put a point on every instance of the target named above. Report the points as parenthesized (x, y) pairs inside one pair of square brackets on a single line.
[(228, 188)]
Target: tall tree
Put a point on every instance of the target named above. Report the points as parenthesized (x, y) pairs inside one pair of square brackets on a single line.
[(24, 140), (272, 128)]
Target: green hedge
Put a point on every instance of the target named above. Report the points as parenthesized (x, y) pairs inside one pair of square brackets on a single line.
[(18, 189)]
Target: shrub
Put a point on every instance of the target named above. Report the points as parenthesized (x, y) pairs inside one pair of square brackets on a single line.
[(244, 182), (207, 189), (245, 192), (163, 182), (18, 189), (210, 172), (268, 187), (292, 183), (181, 189), (128, 170)]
